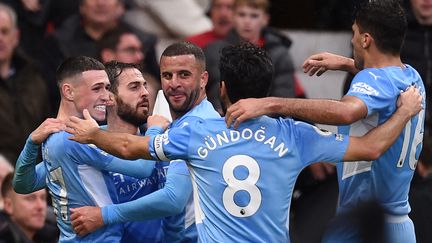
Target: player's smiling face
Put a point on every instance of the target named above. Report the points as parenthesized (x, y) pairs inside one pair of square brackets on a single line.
[(132, 97), (183, 82), (91, 93)]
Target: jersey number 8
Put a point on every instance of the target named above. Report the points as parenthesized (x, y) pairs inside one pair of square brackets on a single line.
[(235, 185)]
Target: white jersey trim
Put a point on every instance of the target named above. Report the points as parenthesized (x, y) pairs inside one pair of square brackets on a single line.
[(158, 146), (94, 183)]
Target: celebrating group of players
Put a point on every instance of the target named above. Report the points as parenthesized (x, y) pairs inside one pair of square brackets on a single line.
[(228, 179)]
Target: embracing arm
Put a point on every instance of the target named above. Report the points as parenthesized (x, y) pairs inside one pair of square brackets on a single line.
[(28, 176), (333, 112), (167, 201), (122, 145), (374, 143)]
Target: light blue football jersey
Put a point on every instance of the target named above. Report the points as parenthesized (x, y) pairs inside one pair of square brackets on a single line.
[(74, 179), (243, 179), (387, 179), (121, 188), (182, 228), (124, 188)]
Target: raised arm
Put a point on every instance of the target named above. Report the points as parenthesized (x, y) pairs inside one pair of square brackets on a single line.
[(373, 144), (122, 145), (170, 200), (29, 175), (321, 62)]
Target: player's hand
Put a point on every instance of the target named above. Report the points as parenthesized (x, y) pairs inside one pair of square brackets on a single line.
[(82, 129), (158, 120), (321, 62), (49, 126), (86, 219), (243, 110), (321, 170), (410, 101)]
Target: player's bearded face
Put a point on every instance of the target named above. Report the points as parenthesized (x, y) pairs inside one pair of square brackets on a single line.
[(181, 78), (190, 98), (132, 113)]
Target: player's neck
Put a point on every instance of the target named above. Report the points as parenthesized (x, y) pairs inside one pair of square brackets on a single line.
[(66, 110), (116, 124), (380, 60)]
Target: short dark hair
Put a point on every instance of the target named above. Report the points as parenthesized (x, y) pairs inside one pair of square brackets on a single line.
[(111, 39), (385, 20), (6, 185), (246, 70), (114, 69), (77, 65), (186, 48)]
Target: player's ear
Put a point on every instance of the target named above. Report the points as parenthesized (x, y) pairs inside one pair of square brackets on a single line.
[(366, 40), (67, 91), (204, 79), (7, 205)]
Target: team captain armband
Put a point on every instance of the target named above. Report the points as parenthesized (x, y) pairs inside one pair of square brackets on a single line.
[(158, 143)]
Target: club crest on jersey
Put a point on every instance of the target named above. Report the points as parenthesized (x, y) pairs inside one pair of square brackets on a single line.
[(322, 132), (363, 88)]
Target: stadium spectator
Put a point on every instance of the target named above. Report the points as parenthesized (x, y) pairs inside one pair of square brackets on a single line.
[(378, 34), (240, 194), (5, 168), (122, 45), (221, 15), (37, 18), (250, 24), (168, 18), (25, 213), (24, 99), (79, 35)]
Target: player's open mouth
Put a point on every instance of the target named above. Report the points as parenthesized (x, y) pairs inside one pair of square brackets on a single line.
[(101, 108)]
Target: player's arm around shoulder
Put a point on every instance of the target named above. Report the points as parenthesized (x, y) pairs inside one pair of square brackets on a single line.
[(373, 144)]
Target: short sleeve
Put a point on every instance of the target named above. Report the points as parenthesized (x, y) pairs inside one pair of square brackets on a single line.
[(373, 88), (316, 145), (173, 144)]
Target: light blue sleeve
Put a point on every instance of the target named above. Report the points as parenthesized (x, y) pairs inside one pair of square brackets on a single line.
[(170, 200), (171, 145), (374, 89), (154, 130), (91, 155), (139, 168), (28, 176), (315, 145)]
